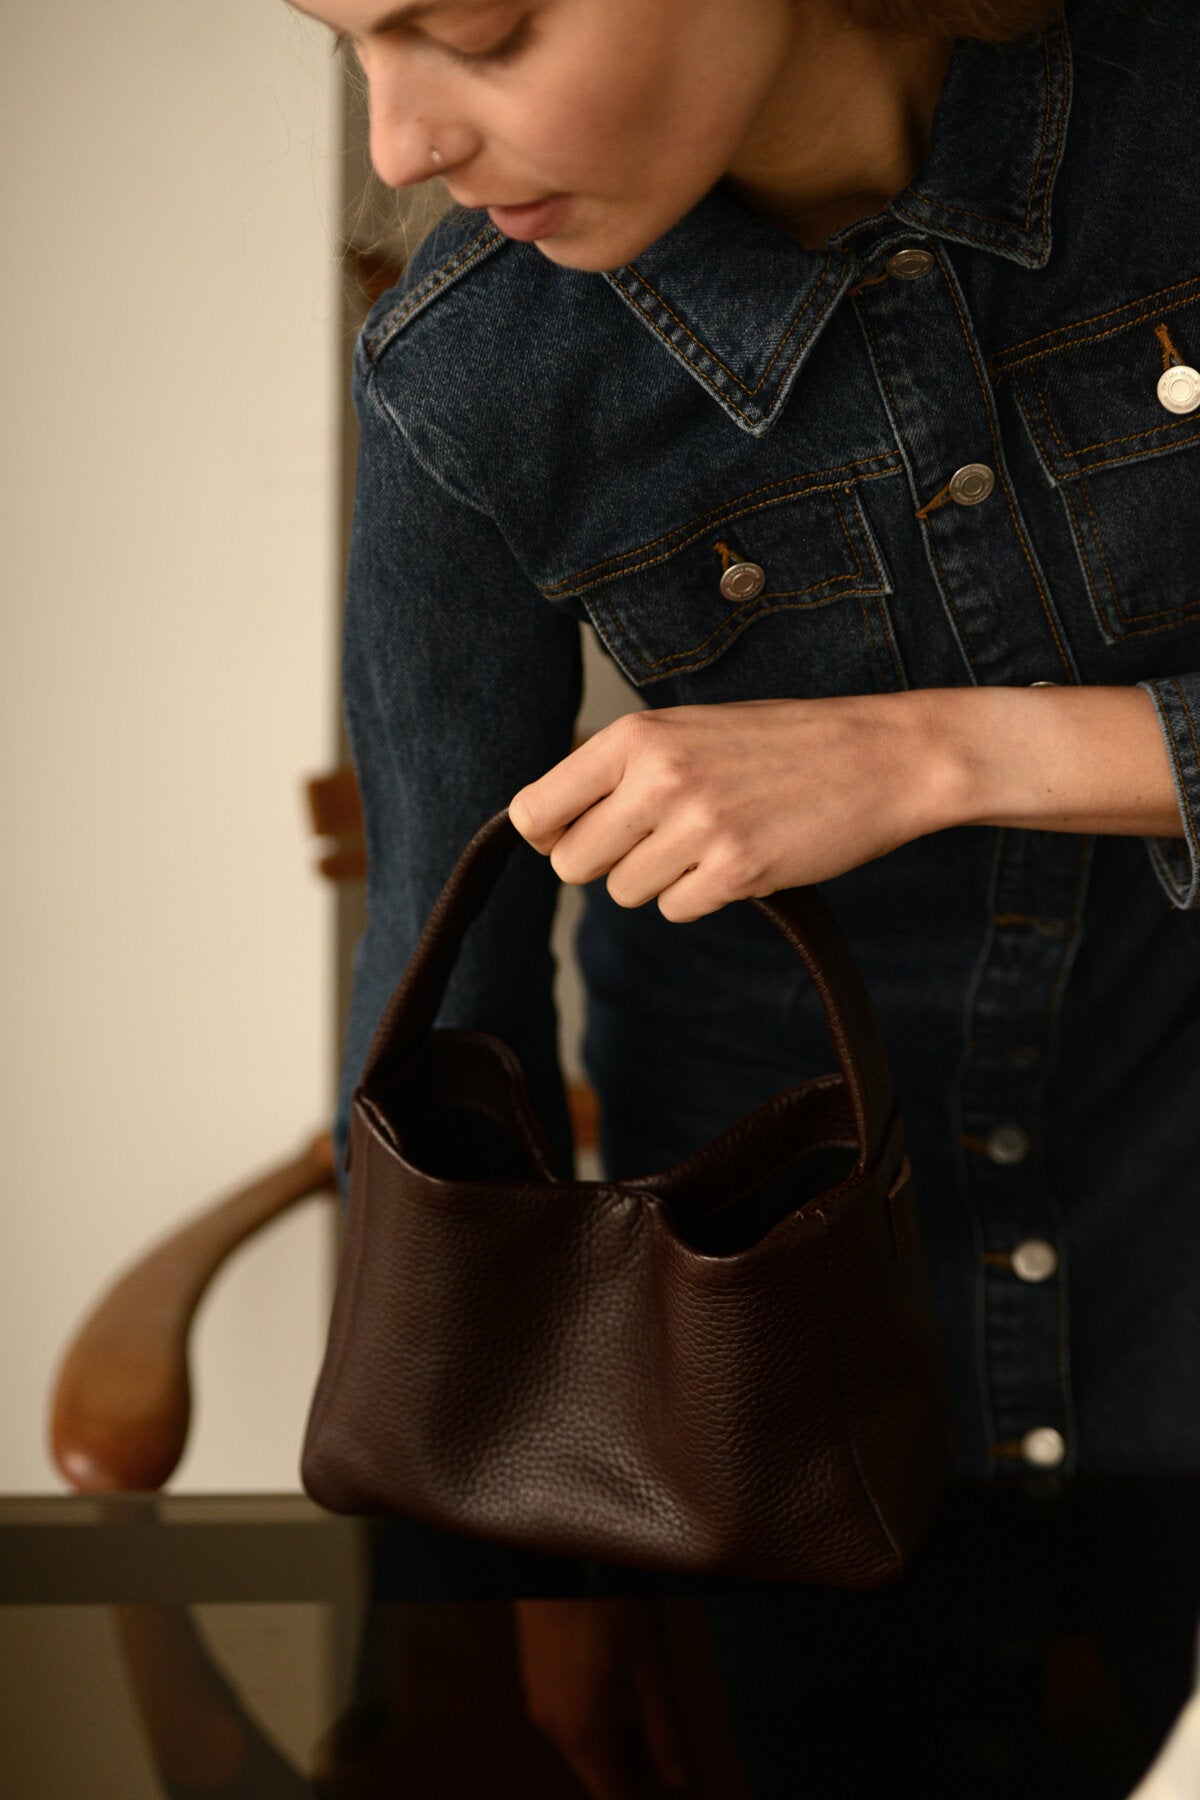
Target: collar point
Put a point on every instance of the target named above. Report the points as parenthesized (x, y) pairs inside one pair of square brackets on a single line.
[(1031, 249)]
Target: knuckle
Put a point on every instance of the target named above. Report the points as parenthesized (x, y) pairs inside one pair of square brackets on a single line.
[(704, 820), (648, 738), (630, 732), (666, 768), (734, 868), (668, 775)]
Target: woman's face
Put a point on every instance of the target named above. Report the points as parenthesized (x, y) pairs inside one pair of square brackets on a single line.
[(630, 110)]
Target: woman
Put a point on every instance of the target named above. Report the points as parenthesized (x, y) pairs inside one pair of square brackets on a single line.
[(835, 360)]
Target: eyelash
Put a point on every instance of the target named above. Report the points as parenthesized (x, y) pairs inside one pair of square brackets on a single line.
[(502, 52), (514, 42)]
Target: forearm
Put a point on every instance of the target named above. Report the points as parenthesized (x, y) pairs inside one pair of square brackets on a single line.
[(700, 805), (1089, 759)]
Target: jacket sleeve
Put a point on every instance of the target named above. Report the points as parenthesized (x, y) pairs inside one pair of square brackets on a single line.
[(1176, 860), (460, 685)]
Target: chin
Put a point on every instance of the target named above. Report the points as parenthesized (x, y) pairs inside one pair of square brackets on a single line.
[(598, 251), (577, 256), (612, 242)]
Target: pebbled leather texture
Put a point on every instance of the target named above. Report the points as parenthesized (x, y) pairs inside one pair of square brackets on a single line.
[(731, 1366)]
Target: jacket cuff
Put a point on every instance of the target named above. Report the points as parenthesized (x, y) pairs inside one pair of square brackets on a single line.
[(1176, 861)]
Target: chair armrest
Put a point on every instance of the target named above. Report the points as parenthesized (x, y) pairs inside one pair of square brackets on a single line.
[(121, 1400)]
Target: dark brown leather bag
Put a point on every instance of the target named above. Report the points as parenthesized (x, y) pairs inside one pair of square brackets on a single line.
[(729, 1367)]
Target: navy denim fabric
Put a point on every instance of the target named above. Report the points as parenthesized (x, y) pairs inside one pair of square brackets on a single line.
[(543, 447)]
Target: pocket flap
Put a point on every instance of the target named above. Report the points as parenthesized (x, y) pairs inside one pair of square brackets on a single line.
[(1089, 391), (660, 608)]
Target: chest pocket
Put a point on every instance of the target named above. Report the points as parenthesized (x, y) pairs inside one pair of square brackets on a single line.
[(1126, 466), (782, 592)]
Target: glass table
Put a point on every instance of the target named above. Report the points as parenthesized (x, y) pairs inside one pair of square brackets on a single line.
[(184, 1645)]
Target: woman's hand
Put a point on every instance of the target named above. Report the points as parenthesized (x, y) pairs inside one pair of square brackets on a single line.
[(596, 1683), (701, 805)]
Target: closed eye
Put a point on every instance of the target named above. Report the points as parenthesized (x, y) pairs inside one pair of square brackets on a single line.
[(502, 52), (507, 48)]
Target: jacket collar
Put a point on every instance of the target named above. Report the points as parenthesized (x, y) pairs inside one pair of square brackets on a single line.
[(741, 303)]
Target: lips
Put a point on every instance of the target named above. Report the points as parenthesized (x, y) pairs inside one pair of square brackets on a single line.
[(536, 219)]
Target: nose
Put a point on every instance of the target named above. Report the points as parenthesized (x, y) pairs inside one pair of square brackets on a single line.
[(401, 139), (400, 156)]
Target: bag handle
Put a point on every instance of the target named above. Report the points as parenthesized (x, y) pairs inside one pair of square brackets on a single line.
[(799, 914)]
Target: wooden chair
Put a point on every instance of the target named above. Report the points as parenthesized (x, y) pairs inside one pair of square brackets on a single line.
[(121, 1400)]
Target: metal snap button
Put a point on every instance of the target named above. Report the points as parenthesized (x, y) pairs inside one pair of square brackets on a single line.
[(971, 484), (1034, 1260), (910, 265), (1045, 684), (743, 581), (1179, 389), (1008, 1144), (1044, 1447)]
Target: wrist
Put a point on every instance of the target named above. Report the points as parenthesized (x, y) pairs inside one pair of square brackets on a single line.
[(988, 753), (954, 781), (1060, 758)]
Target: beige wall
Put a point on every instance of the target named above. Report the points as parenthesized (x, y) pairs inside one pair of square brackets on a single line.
[(174, 392), (167, 674)]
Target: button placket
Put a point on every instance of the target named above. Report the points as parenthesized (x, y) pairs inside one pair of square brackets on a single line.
[(932, 378), (1038, 883)]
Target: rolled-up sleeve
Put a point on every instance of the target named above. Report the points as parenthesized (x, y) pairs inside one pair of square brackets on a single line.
[(461, 684), (1176, 860)]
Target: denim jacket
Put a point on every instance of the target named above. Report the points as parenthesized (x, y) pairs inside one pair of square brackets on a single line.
[(939, 450)]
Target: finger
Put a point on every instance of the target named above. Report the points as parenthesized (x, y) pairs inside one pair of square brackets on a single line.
[(542, 810), (654, 863), (719, 877), (597, 841), (690, 897)]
